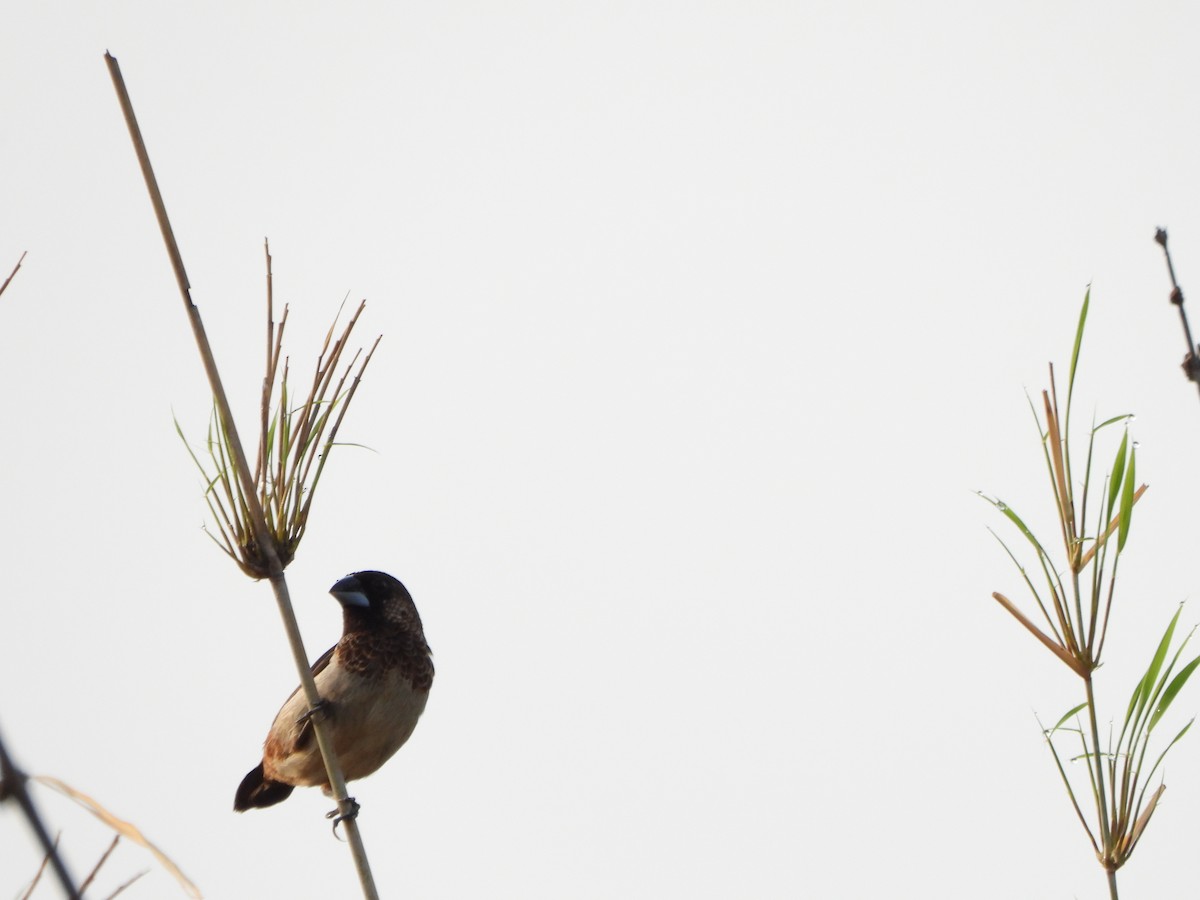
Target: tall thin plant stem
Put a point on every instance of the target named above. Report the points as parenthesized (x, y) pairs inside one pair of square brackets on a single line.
[(337, 782)]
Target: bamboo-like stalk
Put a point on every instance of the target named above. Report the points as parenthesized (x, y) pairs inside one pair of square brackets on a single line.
[(337, 782)]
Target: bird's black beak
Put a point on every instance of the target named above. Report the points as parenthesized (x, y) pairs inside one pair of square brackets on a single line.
[(349, 592)]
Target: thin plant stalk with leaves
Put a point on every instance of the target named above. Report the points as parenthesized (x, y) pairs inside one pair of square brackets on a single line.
[(253, 539), (1074, 604)]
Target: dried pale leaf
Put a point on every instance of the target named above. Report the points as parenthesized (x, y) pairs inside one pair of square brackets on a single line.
[(1057, 649), (1144, 819), (1066, 509), (127, 829)]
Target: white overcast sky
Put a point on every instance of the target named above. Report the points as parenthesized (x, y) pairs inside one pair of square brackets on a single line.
[(702, 322)]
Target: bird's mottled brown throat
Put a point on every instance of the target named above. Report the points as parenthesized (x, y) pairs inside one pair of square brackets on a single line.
[(373, 683)]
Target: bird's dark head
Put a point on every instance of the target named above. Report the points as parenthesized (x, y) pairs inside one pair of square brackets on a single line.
[(374, 599)]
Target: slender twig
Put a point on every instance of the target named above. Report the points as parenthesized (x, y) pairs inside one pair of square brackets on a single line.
[(41, 870), (13, 786), (337, 782), (1191, 365), (87, 882), (12, 273), (127, 884)]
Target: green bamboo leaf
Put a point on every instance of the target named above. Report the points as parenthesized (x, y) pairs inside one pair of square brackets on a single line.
[(1175, 739), (1127, 492), (1173, 688), (1145, 687), (1121, 418), (1067, 715), (1067, 784), (285, 423), (352, 444), (1163, 755), (1010, 513), (270, 441), (187, 446), (1037, 420), (1078, 342), (1118, 474), (1043, 556), (1032, 589)]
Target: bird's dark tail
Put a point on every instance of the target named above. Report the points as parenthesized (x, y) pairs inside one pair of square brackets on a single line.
[(258, 791)]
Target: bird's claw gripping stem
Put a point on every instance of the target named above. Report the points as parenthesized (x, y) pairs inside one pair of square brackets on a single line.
[(321, 709), (339, 817)]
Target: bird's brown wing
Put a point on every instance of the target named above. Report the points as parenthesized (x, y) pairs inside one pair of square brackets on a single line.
[(305, 736), (322, 662)]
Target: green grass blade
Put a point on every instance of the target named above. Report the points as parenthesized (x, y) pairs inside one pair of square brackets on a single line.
[(1168, 695), (1067, 715), (1117, 476), (1033, 590), (188, 447), (1127, 491), (1162, 756), (1142, 692), (1121, 418), (1070, 789), (1087, 298), (1012, 516), (1056, 586)]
